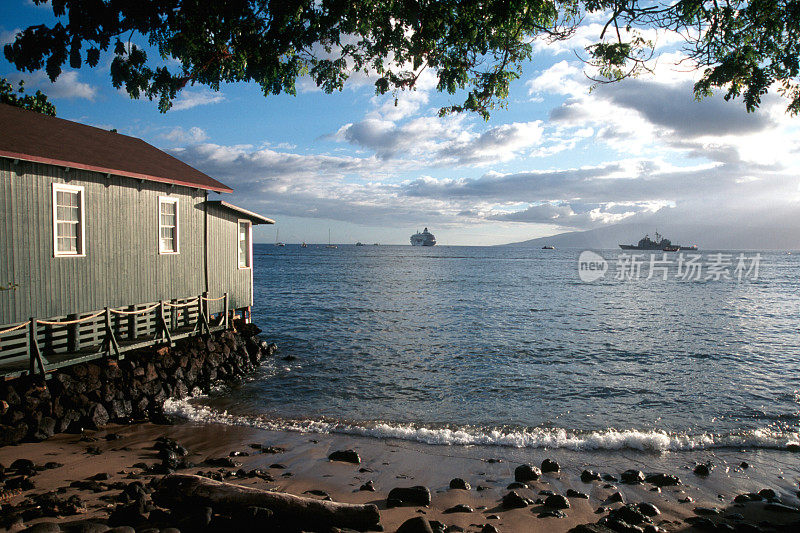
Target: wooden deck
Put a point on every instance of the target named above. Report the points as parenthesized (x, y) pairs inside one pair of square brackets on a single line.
[(42, 346)]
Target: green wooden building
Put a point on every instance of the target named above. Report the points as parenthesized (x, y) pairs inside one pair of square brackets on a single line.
[(107, 244)]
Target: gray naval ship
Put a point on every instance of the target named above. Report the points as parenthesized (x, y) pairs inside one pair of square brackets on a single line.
[(425, 238), (660, 243)]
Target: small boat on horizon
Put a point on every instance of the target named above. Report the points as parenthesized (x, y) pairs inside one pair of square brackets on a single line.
[(304, 245), (329, 245), (548, 247), (277, 241), (359, 243)]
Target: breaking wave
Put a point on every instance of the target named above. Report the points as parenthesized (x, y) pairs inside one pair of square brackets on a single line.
[(610, 439)]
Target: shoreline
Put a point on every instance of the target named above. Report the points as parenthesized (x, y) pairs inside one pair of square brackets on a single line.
[(396, 463)]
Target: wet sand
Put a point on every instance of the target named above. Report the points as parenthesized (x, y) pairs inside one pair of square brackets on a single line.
[(393, 463)]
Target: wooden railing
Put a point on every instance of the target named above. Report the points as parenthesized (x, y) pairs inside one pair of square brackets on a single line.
[(37, 346)]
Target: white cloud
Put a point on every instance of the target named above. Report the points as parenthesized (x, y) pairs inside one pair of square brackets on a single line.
[(67, 85), (192, 135), (7, 37), (188, 99)]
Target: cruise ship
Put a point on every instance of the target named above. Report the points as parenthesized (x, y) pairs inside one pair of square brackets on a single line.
[(425, 238)]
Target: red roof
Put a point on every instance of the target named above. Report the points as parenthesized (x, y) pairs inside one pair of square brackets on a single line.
[(32, 136)]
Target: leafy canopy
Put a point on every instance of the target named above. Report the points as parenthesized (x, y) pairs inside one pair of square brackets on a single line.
[(475, 48), (18, 98)]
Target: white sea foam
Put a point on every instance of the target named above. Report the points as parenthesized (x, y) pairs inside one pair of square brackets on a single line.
[(610, 439)]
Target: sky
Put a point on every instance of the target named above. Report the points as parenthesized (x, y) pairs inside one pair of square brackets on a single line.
[(566, 154)]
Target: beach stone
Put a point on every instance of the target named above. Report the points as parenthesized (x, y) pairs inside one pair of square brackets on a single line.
[(458, 483), (780, 508), (460, 508), (632, 476), (706, 511), (587, 476), (662, 480), (575, 494), (22, 464), (767, 493), (347, 456), (317, 492), (489, 528), (648, 509), (701, 522), (703, 469), (97, 417), (122, 529), (417, 495), (517, 485), (418, 524), (437, 526), (629, 514), (221, 462), (525, 473), (744, 465), (616, 497), (368, 486), (548, 465), (556, 501), (793, 447), (512, 500), (551, 513), (45, 428)]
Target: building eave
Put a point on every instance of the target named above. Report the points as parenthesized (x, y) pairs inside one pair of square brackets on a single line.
[(254, 217), (104, 170)]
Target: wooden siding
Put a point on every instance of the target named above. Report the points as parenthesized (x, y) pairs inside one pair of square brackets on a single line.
[(224, 272), (122, 265)]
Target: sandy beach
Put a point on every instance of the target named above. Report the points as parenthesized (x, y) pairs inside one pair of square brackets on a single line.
[(300, 464)]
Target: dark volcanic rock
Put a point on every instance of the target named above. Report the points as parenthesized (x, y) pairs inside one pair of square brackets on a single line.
[(458, 483), (97, 417), (629, 514), (662, 480), (648, 509), (616, 497), (575, 494), (557, 501), (780, 508), (525, 473), (517, 485), (460, 508), (548, 465), (347, 456), (767, 494), (632, 476), (368, 486), (221, 461), (587, 476), (551, 513), (512, 500), (703, 469), (416, 495), (418, 524)]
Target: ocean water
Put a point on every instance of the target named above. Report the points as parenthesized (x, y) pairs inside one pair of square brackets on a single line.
[(507, 346)]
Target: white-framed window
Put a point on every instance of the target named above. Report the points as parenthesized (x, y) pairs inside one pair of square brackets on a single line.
[(68, 221), (168, 230), (245, 232)]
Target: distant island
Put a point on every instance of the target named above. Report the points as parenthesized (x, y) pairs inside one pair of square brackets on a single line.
[(707, 237)]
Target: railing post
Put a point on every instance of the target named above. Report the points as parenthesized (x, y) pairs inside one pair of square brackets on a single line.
[(225, 298), (110, 338), (36, 354), (33, 344), (163, 323), (73, 335)]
